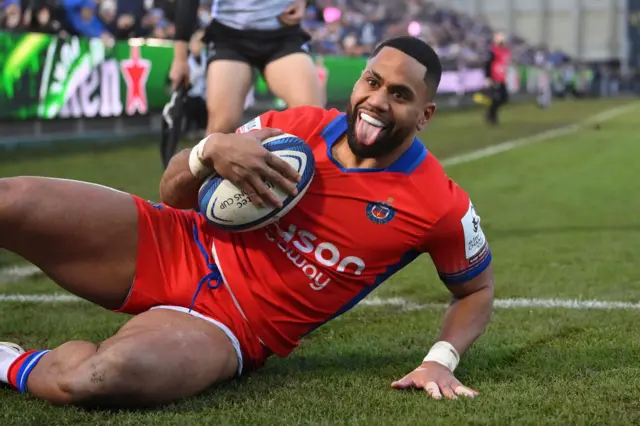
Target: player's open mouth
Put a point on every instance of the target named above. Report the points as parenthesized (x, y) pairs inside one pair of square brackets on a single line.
[(368, 128)]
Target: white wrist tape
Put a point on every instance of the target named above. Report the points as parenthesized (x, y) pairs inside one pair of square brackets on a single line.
[(443, 353), (196, 165)]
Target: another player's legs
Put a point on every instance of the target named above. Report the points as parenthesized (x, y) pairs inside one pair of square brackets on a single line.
[(294, 79), (228, 83), (85, 238)]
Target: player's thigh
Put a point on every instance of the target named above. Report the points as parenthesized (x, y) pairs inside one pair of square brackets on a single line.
[(228, 83), (157, 357), (82, 235), (294, 79)]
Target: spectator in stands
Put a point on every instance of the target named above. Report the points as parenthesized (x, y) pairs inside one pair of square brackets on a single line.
[(82, 18), (38, 17), (155, 24), (107, 13), (12, 14)]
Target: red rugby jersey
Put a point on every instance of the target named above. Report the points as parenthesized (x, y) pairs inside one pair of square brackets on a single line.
[(352, 230)]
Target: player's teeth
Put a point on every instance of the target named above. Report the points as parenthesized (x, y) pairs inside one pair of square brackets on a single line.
[(373, 121)]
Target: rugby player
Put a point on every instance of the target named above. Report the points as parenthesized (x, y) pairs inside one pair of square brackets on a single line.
[(211, 305), (243, 35)]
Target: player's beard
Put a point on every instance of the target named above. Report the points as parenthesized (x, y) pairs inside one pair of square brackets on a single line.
[(387, 141)]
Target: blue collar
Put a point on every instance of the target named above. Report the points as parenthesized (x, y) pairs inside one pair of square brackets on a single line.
[(407, 163)]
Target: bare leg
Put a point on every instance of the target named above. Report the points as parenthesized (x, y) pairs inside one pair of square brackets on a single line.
[(157, 357), (83, 236), (228, 83), (294, 79)]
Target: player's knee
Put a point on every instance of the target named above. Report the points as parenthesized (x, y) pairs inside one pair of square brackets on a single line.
[(310, 96), (13, 201), (223, 122), (311, 100)]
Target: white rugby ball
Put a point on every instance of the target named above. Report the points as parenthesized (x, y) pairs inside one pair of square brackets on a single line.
[(227, 207)]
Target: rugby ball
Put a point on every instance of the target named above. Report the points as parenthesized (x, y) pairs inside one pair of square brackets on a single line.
[(229, 208)]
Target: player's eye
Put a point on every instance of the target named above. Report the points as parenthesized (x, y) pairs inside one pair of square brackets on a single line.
[(372, 83), (399, 96)]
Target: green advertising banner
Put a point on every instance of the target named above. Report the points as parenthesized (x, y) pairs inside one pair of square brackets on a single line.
[(43, 76)]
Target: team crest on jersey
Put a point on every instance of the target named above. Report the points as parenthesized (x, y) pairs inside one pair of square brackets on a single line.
[(380, 213)]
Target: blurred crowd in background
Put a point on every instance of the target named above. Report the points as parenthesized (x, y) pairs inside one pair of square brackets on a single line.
[(345, 27), (338, 27)]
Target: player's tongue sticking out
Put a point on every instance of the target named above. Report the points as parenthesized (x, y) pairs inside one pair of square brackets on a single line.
[(367, 128)]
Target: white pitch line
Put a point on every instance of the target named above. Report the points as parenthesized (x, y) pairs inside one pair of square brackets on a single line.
[(513, 303), (39, 298), (404, 304), (538, 137), (17, 273)]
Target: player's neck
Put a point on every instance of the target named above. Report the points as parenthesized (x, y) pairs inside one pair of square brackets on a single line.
[(347, 159)]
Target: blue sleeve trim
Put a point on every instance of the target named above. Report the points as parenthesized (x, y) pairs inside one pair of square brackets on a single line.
[(468, 274)]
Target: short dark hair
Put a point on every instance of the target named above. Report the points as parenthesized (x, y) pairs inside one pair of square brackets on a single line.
[(421, 52)]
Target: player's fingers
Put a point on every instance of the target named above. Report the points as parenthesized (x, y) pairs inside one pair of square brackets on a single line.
[(263, 191), (280, 181), (404, 383), (282, 167), (433, 390), (447, 392), (250, 192), (465, 391), (266, 133)]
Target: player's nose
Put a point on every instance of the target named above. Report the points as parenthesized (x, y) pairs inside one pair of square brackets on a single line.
[(379, 100)]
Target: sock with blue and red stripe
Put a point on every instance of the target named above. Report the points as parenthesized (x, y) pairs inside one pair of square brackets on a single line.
[(23, 366)]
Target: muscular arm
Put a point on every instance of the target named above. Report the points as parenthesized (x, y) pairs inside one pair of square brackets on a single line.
[(178, 187), (468, 316), (241, 159)]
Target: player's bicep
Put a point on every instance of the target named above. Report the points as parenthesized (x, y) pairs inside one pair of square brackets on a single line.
[(457, 245), (481, 282)]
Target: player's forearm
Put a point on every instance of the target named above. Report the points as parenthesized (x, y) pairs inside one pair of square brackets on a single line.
[(180, 50), (467, 318), (178, 187)]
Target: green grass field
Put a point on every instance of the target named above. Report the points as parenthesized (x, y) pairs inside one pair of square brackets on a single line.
[(562, 217)]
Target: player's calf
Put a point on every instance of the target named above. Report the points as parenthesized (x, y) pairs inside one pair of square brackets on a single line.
[(158, 357)]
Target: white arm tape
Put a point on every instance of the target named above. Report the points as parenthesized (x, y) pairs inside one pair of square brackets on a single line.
[(198, 169), (443, 353)]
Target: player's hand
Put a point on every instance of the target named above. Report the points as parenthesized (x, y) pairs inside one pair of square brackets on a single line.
[(241, 158), (436, 380), (179, 71), (293, 14)]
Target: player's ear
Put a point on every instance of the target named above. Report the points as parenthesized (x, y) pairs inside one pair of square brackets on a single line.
[(427, 114)]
